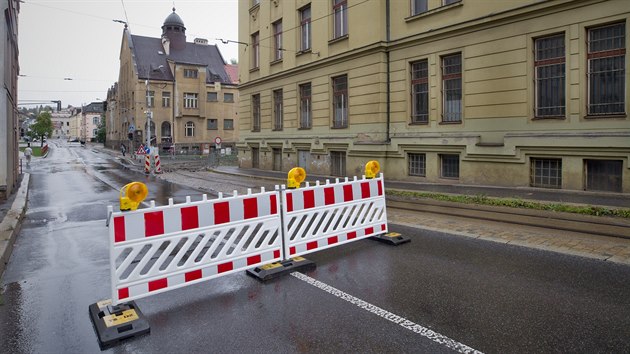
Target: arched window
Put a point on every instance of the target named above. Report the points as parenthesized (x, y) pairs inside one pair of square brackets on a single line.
[(166, 129), (190, 129)]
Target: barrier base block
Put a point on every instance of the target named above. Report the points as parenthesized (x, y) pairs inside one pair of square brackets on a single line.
[(114, 324), (278, 269), (392, 238)]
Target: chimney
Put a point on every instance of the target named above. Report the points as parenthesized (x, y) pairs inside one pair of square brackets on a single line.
[(201, 41), (166, 44)]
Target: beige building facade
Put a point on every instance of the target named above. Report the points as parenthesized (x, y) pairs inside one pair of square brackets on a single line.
[(515, 94), (183, 88)]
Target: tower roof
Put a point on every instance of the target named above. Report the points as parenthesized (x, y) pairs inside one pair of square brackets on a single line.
[(173, 20)]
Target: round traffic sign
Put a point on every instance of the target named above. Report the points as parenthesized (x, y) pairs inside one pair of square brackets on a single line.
[(217, 140)]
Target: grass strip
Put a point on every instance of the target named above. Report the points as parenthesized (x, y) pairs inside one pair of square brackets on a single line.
[(515, 203)]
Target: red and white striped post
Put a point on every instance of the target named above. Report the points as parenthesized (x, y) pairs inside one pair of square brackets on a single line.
[(147, 164), (158, 168)]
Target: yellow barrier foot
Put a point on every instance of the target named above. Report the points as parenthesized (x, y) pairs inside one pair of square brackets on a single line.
[(392, 238), (114, 324), (278, 269)]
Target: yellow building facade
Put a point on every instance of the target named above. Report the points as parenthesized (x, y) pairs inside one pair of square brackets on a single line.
[(515, 94), (184, 89)]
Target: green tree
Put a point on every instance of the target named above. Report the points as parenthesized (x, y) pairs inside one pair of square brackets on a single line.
[(43, 127), (100, 134)]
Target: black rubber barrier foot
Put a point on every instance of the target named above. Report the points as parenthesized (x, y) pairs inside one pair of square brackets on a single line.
[(278, 269), (114, 324), (392, 238)]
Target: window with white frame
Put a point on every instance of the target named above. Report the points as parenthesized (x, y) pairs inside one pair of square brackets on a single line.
[(417, 164), (256, 112), (190, 100), (452, 88), (340, 19), (419, 6), (189, 129), (546, 173), (96, 120), (255, 50), (420, 92), (150, 98), (190, 73), (606, 69), (277, 40), (166, 99), (340, 101), (549, 63), (305, 106), (277, 109), (305, 28)]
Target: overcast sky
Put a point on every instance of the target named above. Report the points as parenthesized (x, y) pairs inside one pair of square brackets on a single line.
[(77, 39)]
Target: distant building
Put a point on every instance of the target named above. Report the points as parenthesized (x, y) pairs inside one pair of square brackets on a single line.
[(61, 123), (91, 117), (9, 126), (186, 87), (505, 93)]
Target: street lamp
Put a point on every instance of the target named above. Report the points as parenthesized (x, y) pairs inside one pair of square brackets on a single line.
[(149, 113)]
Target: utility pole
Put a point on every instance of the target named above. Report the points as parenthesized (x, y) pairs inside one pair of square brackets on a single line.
[(149, 113)]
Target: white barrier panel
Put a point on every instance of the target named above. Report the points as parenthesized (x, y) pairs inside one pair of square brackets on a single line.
[(324, 216), (163, 248)]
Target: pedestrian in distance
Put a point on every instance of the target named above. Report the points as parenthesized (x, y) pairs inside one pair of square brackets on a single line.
[(123, 149), (28, 152)]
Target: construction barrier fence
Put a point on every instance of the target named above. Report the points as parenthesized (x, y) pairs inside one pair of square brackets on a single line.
[(156, 249)]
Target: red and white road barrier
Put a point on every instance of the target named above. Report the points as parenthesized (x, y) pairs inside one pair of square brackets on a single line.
[(157, 249), (158, 167), (147, 163), (323, 216)]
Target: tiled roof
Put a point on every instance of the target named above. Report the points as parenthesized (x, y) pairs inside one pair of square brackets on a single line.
[(149, 55), (232, 71)]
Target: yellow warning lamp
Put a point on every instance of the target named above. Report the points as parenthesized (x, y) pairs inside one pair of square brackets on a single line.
[(295, 177), (372, 168), (134, 194)]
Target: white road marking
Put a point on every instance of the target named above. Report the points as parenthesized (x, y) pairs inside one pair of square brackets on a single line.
[(403, 322)]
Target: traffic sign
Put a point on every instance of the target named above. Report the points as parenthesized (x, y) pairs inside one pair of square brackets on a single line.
[(141, 150), (132, 128), (217, 140)]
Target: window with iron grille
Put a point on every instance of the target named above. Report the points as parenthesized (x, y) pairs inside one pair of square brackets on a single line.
[(213, 124), (338, 163), (256, 112), (228, 97), (449, 166), (340, 20), (228, 124), (255, 51), (420, 92), (419, 6), (212, 97), (277, 109), (340, 101), (604, 175), (417, 165), (150, 98), (166, 99), (546, 173), (277, 40), (606, 69), (305, 106), (190, 100), (189, 129), (190, 73), (452, 88), (305, 28), (549, 63)]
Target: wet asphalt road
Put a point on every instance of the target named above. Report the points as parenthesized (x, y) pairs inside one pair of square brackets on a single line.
[(492, 297)]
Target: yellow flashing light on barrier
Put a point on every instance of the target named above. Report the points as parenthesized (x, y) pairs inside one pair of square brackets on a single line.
[(134, 194), (295, 177), (372, 168)]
